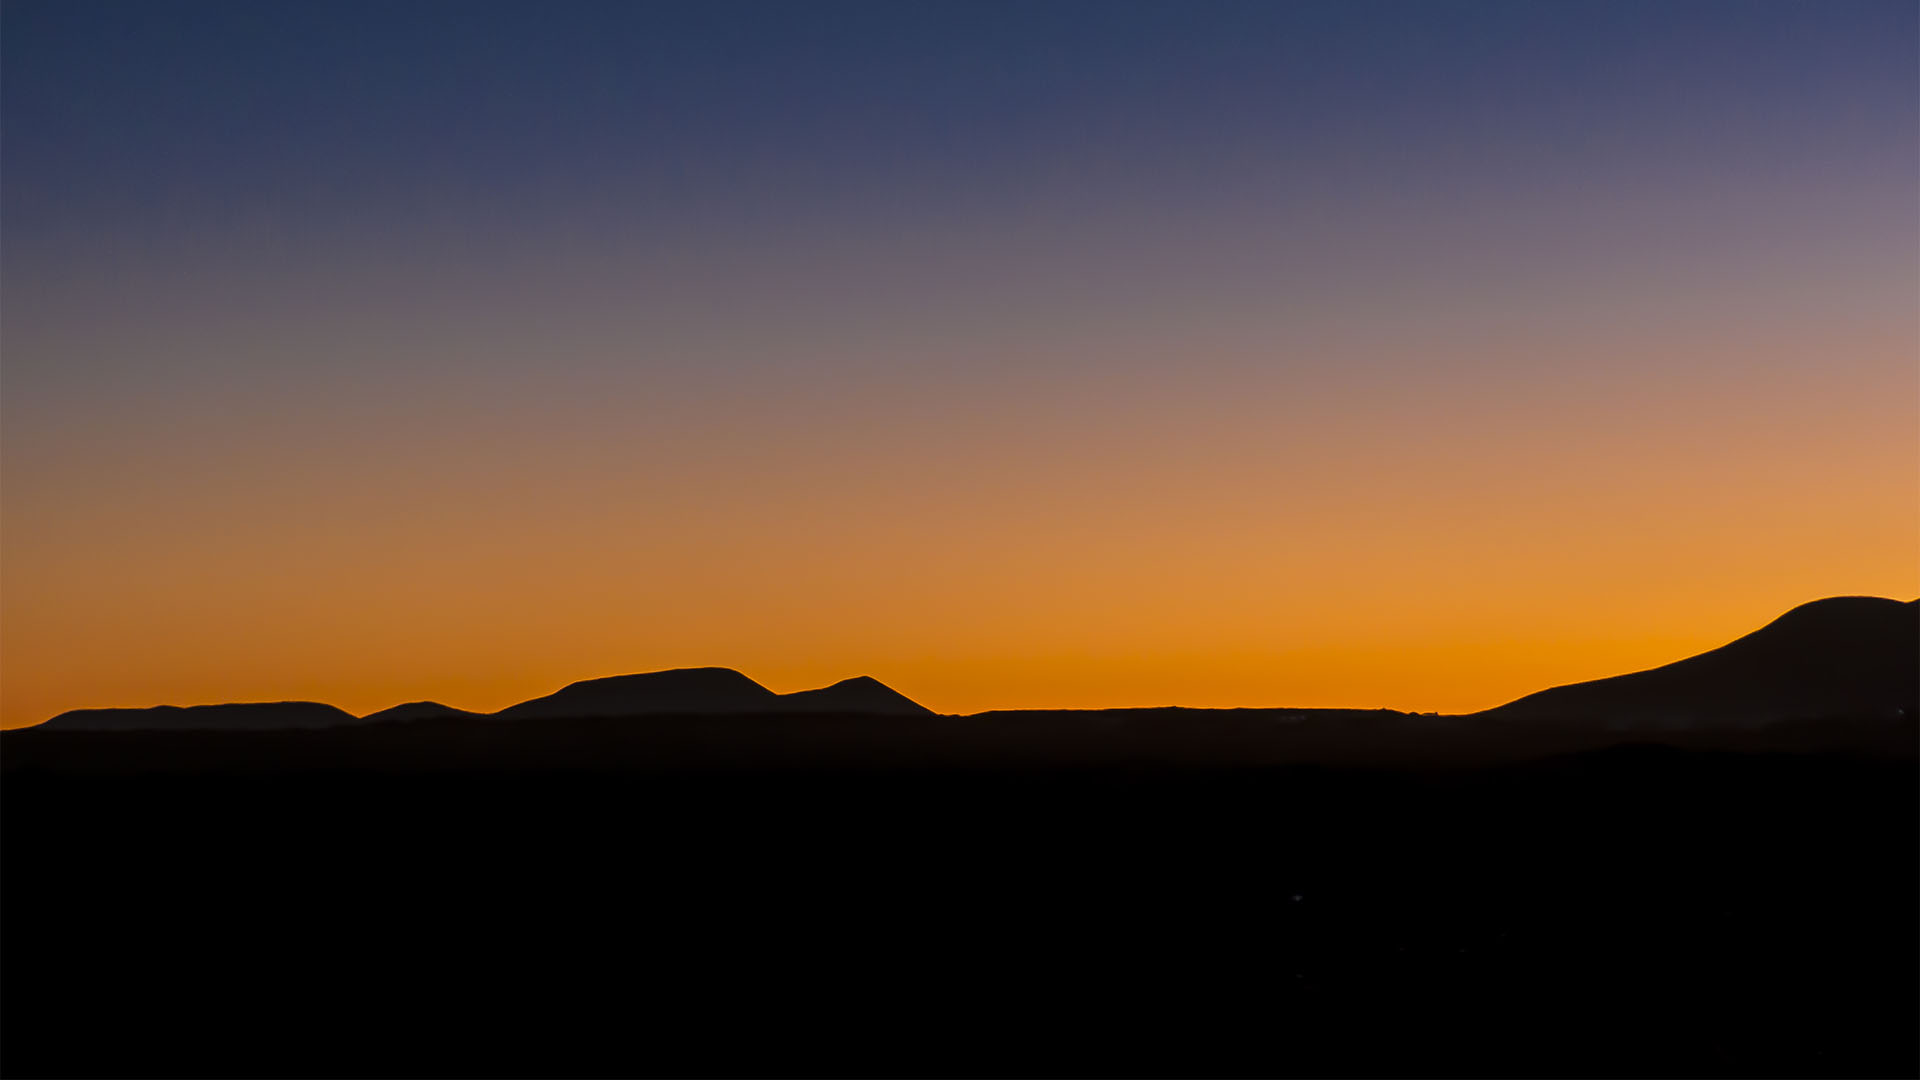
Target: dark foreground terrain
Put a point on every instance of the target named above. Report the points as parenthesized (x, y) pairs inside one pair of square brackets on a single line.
[(1634, 910)]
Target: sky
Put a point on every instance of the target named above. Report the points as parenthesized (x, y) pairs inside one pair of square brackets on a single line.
[(1042, 354)]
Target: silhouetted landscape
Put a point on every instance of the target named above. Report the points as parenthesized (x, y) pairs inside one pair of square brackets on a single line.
[(1704, 869), (862, 538)]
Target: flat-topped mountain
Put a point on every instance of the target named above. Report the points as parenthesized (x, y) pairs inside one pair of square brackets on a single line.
[(1842, 656), (680, 690), (242, 716)]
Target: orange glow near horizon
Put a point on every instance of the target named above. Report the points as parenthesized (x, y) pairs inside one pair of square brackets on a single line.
[(1043, 541), (1390, 424)]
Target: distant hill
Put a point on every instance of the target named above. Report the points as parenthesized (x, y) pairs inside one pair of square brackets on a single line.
[(861, 694), (1843, 656), (681, 691), (710, 691), (1853, 657), (246, 716), (416, 710)]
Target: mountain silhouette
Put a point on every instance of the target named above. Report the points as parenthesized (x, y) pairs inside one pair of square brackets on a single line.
[(1842, 656), (1846, 656), (417, 710), (244, 716), (860, 694), (709, 691), (679, 690)]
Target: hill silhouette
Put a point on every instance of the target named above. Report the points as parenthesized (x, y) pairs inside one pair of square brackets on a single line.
[(680, 691), (1853, 657), (709, 691), (1057, 892), (418, 710), (860, 694), (712, 691), (1841, 656), (241, 716)]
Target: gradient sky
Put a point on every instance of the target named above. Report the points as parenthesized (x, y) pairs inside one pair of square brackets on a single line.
[(1036, 354)]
